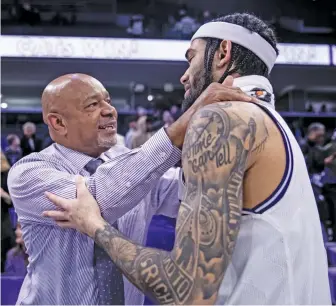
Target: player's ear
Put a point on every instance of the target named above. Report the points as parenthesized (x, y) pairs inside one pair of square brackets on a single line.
[(224, 53)]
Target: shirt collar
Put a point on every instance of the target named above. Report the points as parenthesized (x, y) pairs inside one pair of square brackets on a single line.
[(79, 159), (76, 159)]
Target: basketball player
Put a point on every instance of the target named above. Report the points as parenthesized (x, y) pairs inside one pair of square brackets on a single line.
[(248, 231)]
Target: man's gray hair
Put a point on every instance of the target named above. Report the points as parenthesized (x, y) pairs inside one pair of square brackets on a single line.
[(29, 124)]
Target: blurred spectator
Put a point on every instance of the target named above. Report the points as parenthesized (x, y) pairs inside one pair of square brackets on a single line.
[(328, 179), (310, 108), (298, 132), (17, 259), (29, 14), (167, 119), (176, 112), (141, 111), (13, 152), (156, 122), (311, 148), (7, 234), (206, 17), (182, 12), (29, 142), (320, 162), (186, 27), (141, 135), (330, 161), (130, 134), (14, 11), (136, 27), (59, 19)]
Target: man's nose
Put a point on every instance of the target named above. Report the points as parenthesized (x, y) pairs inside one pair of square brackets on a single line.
[(184, 78), (109, 111)]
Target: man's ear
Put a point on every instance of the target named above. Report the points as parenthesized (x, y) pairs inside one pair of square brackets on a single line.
[(57, 123), (224, 53)]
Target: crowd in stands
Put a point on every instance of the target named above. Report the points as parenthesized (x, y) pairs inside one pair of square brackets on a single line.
[(319, 149), (12, 246), (27, 14), (143, 126), (153, 20), (179, 25), (320, 153)]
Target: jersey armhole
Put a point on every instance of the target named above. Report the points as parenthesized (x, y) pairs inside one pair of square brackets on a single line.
[(281, 189)]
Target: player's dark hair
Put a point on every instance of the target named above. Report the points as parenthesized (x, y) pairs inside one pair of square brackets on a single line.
[(243, 61)]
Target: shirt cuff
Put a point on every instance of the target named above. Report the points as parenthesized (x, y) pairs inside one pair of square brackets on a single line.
[(165, 151)]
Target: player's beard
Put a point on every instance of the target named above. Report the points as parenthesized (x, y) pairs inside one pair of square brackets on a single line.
[(202, 80)]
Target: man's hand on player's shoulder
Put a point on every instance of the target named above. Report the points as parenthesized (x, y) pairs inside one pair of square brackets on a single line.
[(217, 92)]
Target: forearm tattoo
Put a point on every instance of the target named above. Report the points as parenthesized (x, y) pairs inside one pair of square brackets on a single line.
[(214, 157)]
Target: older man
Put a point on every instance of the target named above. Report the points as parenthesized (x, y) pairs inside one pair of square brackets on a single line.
[(65, 267)]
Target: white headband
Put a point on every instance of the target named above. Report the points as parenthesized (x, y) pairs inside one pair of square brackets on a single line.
[(241, 36)]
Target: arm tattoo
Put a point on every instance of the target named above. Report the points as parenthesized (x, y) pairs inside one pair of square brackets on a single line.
[(215, 153)]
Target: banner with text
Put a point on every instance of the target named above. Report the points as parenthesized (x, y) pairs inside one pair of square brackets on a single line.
[(137, 49)]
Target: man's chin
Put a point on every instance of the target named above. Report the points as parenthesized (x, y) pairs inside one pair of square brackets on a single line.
[(107, 143)]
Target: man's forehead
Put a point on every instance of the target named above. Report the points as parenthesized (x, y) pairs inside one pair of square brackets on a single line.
[(196, 45), (90, 87)]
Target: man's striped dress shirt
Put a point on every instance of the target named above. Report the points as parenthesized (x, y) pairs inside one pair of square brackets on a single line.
[(131, 186)]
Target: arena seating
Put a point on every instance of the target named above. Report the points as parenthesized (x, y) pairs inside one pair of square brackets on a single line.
[(10, 288)]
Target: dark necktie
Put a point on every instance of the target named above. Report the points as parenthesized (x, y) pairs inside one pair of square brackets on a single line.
[(109, 278)]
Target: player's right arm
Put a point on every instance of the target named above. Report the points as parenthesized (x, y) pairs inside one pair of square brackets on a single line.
[(217, 152)]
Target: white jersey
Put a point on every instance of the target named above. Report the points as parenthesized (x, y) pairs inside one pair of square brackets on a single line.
[(279, 257)]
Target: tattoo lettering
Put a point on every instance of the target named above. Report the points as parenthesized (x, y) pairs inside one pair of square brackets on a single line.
[(209, 146), (182, 284), (151, 278)]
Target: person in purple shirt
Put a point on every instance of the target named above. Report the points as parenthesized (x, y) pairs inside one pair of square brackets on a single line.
[(17, 258), (13, 152), (130, 186)]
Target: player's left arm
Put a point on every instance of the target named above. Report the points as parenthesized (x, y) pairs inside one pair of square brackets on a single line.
[(217, 146)]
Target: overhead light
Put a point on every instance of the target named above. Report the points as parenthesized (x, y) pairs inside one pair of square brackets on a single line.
[(4, 105), (150, 98)]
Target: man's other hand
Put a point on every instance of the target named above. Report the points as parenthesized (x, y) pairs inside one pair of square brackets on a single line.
[(224, 92)]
